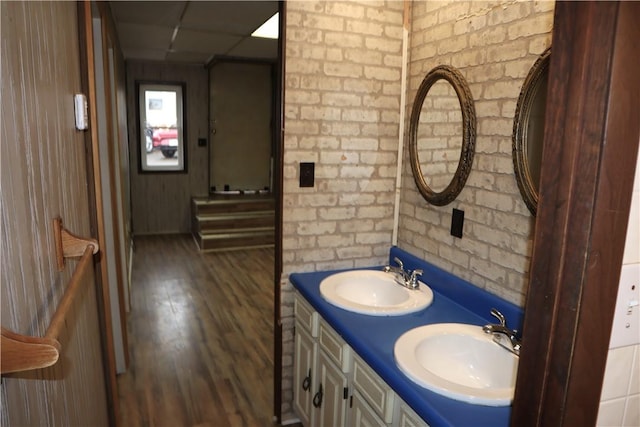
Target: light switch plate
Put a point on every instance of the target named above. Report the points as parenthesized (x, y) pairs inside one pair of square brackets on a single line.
[(307, 174), (81, 111), (626, 320)]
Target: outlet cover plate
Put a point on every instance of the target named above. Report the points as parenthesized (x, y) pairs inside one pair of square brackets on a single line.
[(626, 320)]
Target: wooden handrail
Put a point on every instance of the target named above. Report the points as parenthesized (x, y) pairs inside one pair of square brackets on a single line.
[(22, 352)]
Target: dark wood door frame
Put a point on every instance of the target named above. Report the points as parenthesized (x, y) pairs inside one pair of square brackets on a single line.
[(591, 144), (278, 114), (88, 83)]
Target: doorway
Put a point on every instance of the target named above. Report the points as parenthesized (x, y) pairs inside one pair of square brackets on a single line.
[(241, 126)]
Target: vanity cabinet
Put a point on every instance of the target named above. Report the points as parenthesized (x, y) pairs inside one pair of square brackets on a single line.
[(305, 358), (322, 366), (333, 386)]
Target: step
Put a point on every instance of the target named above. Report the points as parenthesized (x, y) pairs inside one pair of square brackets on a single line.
[(210, 206), (234, 221), (237, 239)]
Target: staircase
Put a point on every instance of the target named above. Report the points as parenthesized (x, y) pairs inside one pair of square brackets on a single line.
[(233, 222)]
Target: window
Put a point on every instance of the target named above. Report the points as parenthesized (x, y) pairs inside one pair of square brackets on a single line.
[(162, 139)]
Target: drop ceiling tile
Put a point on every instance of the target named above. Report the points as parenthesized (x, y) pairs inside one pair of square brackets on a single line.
[(144, 54), (234, 17), (198, 41), (253, 47), (144, 36), (160, 13)]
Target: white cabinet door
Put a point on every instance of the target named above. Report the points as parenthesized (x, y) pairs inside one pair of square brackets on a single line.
[(306, 349), (331, 394), (408, 418), (362, 415)]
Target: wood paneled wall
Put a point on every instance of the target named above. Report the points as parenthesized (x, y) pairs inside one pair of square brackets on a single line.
[(161, 201), (43, 175)]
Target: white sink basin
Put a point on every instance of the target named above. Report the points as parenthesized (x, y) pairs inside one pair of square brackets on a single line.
[(375, 293), (458, 361)]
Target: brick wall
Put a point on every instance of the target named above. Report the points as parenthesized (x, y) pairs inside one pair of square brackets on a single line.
[(342, 105), (493, 45)]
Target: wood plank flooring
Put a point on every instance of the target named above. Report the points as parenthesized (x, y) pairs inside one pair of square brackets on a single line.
[(200, 336)]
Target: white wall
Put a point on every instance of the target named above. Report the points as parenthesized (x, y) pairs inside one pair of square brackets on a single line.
[(620, 399)]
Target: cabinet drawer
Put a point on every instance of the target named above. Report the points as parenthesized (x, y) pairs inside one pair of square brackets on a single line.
[(305, 315), (335, 347), (373, 389)]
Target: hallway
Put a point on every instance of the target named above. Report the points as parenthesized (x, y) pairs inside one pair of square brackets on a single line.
[(200, 336)]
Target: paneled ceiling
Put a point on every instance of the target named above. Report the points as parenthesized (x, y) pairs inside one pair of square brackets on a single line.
[(193, 31)]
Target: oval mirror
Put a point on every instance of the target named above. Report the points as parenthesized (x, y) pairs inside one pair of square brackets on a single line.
[(442, 132), (528, 131)]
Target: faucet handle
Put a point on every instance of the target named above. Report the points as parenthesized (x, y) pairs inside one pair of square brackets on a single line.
[(495, 313), (400, 264), (413, 280)]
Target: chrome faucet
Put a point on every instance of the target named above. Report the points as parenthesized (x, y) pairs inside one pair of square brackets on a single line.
[(500, 330), (404, 277)]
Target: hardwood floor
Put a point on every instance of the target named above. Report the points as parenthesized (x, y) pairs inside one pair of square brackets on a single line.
[(200, 336)]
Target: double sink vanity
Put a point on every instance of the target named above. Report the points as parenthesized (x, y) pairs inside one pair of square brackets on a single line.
[(385, 347)]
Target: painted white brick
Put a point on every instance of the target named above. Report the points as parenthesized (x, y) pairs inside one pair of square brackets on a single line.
[(538, 24), (454, 255), (385, 15), (316, 228), (342, 99), (489, 235), (356, 171), (323, 22), (365, 28), (360, 115), (375, 212), (316, 255), (509, 13), (357, 226), (376, 185), (340, 184), (373, 238), (360, 56), (380, 129), (301, 214), (500, 202), (303, 66), (362, 86), (343, 39), (487, 37), (364, 144), (508, 259), (383, 44), (338, 213), (316, 200), (343, 69), (320, 142), (487, 269), (339, 129), (345, 9), (358, 251)]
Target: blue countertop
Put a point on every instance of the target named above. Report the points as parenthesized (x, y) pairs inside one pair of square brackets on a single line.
[(373, 337)]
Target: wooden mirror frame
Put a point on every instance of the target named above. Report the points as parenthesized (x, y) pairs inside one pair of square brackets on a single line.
[(530, 87), (457, 81)]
